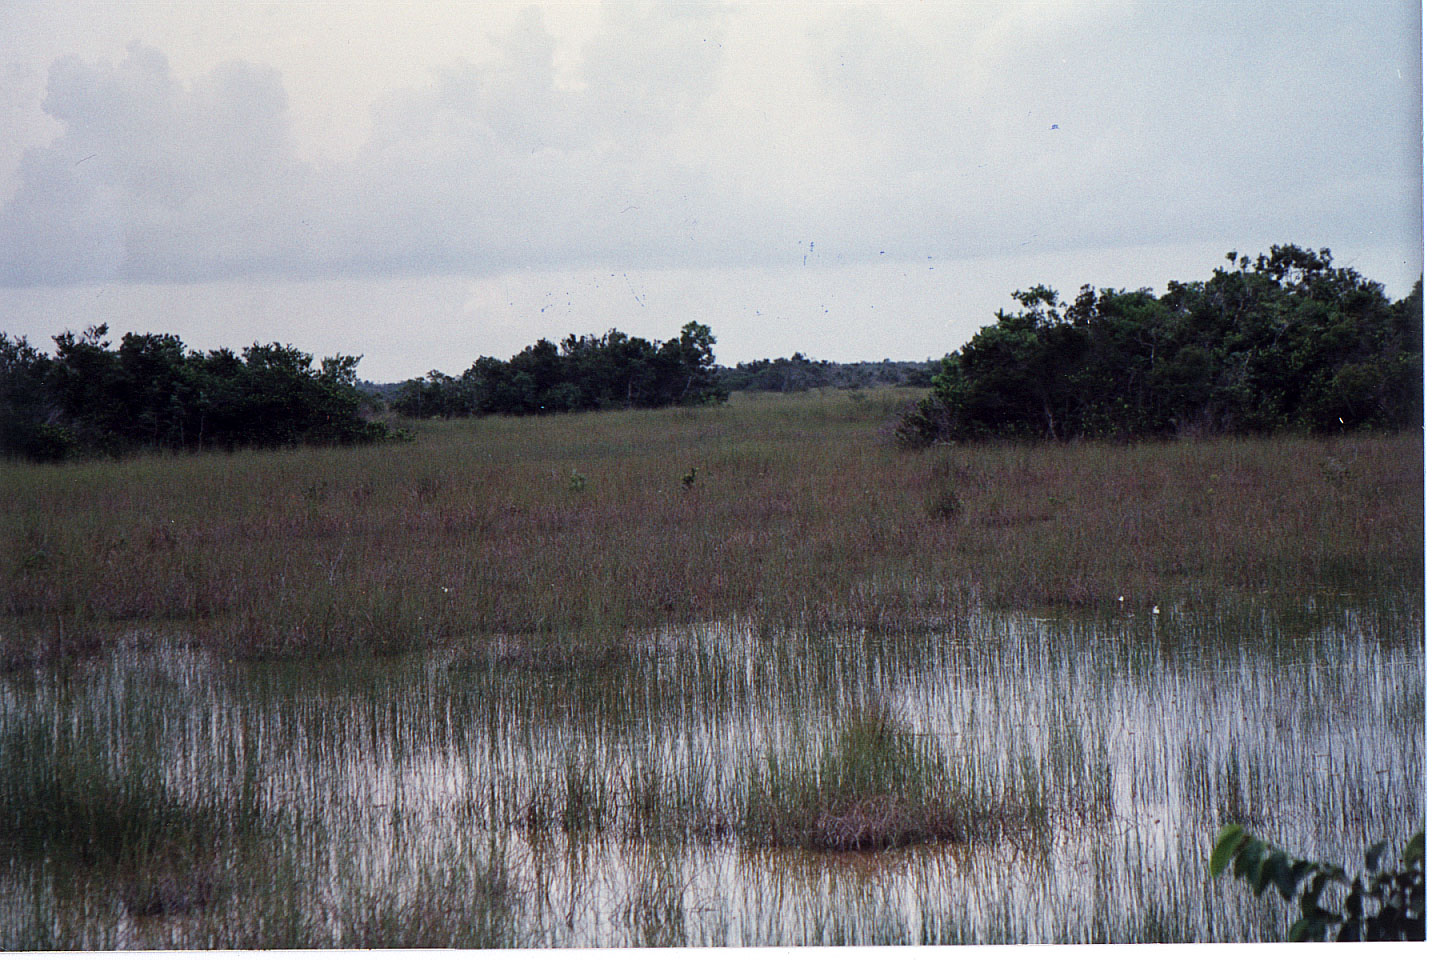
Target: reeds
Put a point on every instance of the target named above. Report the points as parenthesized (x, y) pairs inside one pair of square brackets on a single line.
[(63, 797), (1018, 779), (875, 786)]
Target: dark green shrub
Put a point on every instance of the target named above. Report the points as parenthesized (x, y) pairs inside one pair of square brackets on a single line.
[(150, 393), (1289, 342)]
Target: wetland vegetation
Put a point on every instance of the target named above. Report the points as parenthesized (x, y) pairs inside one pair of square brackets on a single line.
[(828, 690)]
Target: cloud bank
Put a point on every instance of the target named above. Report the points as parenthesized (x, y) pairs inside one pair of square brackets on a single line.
[(697, 136)]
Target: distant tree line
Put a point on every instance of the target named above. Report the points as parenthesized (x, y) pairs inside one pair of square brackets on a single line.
[(152, 393), (607, 372), (1286, 342), (799, 372)]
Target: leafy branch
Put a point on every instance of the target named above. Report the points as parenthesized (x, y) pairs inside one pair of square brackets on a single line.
[(1391, 906)]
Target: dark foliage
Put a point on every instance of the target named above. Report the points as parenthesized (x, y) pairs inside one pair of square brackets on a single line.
[(1390, 907), (1288, 342), (150, 393), (800, 372), (583, 373)]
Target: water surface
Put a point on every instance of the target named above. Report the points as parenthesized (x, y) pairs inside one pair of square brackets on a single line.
[(593, 791)]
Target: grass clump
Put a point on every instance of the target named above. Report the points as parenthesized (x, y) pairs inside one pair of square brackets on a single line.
[(873, 785), (59, 801), (66, 805)]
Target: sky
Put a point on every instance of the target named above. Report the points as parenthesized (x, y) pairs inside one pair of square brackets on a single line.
[(423, 184)]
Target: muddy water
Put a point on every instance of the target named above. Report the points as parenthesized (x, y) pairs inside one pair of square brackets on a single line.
[(499, 794)]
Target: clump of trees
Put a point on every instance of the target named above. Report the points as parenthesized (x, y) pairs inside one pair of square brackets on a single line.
[(1286, 342), (799, 372), (581, 373), (152, 393)]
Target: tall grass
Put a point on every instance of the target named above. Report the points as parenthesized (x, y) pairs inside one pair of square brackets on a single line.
[(872, 784), (63, 796), (800, 512)]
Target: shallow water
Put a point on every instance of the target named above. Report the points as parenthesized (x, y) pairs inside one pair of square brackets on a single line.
[(503, 795)]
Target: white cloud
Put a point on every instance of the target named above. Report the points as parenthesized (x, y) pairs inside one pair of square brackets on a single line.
[(711, 135), (153, 178)]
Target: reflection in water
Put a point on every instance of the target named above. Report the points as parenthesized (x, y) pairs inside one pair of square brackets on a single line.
[(564, 795)]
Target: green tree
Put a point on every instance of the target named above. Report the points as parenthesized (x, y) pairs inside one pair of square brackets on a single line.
[(1286, 342), (26, 429), (150, 393), (580, 373)]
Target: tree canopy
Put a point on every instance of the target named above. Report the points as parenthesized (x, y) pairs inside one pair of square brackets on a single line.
[(152, 393), (1286, 342), (799, 372), (581, 373)]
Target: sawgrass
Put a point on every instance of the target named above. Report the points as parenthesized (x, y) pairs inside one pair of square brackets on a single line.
[(800, 512)]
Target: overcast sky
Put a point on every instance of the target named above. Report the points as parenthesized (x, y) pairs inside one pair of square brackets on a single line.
[(426, 183)]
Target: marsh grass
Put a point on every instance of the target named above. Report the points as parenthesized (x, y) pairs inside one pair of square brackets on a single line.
[(98, 820), (827, 691), (62, 796), (875, 785), (1023, 779), (800, 514)]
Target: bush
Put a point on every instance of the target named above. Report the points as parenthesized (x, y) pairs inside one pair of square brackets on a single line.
[(581, 373), (1290, 342)]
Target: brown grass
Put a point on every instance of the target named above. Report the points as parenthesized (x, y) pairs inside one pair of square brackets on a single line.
[(801, 512)]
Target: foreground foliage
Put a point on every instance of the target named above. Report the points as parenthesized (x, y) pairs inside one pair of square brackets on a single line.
[(151, 393), (1390, 907), (1288, 342)]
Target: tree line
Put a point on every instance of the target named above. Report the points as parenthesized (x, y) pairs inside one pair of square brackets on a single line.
[(799, 372), (606, 372), (152, 393), (1288, 341)]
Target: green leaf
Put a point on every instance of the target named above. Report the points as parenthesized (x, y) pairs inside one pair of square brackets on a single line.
[(1373, 855), (1282, 873), (1264, 872), (1248, 860), (1301, 869), (1354, 900), (1415, 849), (1226, 843), (1310, 900)]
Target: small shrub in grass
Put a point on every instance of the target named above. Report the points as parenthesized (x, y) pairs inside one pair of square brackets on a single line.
[(943, 506), (1390, 907), (170, 894)]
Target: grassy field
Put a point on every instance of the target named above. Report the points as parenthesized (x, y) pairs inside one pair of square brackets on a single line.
[(800, 511)]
